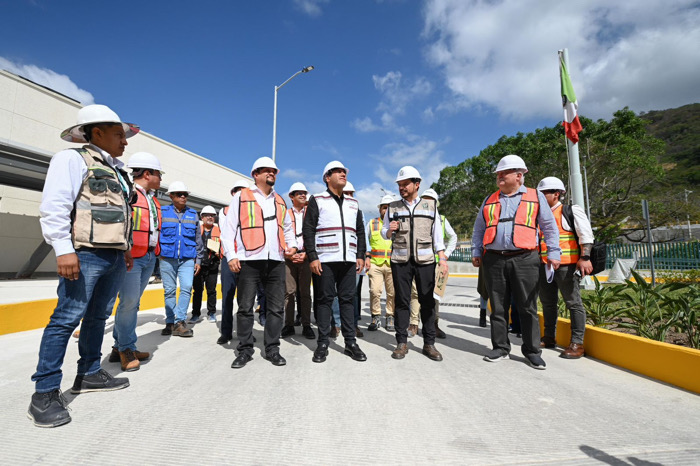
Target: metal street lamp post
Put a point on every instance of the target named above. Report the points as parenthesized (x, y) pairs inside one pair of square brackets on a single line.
[(274, 116)]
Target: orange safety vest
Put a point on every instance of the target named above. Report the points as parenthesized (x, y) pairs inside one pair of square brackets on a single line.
[(215, 236), (524, 222), (141, 220), (252, 222), (568, 242)]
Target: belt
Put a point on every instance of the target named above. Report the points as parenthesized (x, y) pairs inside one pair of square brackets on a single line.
[(509, 253)]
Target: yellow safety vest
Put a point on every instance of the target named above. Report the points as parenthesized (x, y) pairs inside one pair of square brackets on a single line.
[(380, 248)]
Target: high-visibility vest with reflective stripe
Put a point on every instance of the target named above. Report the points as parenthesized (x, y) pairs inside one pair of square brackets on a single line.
[(178, 236), (141, 218), (299, 236), (568, 243), (524, 222), (252, 222), (215, 236), (380, 248)]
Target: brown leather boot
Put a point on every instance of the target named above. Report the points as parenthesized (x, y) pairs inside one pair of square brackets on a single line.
[(181, 330), (412, 330), (432, 353), (141, 355), (548, 342), (400, 351), (129, 361), (573, 351)]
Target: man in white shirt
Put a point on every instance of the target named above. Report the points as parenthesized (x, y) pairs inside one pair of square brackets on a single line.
[(257, 236), (86, 218)]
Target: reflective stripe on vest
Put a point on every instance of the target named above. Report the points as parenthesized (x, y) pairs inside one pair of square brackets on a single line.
[(570, 251), (252, 222), (524, 222), (141, 219), (380, 248), (414, 239), (178, 238)]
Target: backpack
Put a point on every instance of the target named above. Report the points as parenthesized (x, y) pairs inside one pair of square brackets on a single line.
[(598, 251)]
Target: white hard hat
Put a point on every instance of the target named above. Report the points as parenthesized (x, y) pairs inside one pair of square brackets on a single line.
[(297, 187), (510, 162), (208, 210), (264, 162), (92, 114), (144, 160), (240, 184), (432, 194), (386, 200), (349, 187), (407, 173), (330, 166), (177, 187), (551, 182)]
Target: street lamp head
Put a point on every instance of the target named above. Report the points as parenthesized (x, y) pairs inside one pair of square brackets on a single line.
[(307, 69)]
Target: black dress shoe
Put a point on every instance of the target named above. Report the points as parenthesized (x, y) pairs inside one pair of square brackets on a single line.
[(276, 359), (320, 353), (223, 340), (355, 352), (241, 360), (308, 332), (287, 331)]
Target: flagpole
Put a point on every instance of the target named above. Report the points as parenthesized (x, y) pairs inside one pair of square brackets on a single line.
[(574, 163)]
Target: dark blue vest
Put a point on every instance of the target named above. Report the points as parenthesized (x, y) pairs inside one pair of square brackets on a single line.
[(178, 238)]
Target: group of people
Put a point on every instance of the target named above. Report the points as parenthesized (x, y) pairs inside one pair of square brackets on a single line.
[(108, 230)]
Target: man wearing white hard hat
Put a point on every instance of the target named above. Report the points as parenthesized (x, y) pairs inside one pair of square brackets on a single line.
[(415, 228), (228, 278), (257, 237), (85, 217), (146, 220), (298, 273), (209, 268), (575, 241), (334, 239), (181, 253), (505, 243), (450, 236), (378, 265)]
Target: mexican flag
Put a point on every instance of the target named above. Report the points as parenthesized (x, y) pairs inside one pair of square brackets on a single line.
[(572, 125)]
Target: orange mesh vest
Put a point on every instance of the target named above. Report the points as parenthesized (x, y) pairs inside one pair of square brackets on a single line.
[(141, 220), (567, 241), (252, 222), (524, 222)]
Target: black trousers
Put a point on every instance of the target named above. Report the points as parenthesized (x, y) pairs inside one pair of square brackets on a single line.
[(337, 278), (270, 274), (403, 275), (208, 275), (514, 277), (228, 291)]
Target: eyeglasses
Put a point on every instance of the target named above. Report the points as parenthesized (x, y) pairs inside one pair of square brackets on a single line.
[(299, 193), (549, 191), (180, 194)]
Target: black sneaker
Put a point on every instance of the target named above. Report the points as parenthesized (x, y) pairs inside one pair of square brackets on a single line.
[(100, 381), (287, 331), (168, 330), (320, 353), (297, 321), (375, 324), (223, 340), (536, 362), (308, 332), (495, 355), (48, 409)]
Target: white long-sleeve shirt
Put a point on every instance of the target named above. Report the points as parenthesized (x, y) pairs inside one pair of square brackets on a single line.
[(231, 233), (65, 176), (438, 242), (451, 239)]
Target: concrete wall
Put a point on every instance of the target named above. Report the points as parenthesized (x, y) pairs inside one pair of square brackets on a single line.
[(32, 117)]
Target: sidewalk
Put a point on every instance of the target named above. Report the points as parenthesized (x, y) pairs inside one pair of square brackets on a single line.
[(187, 406)]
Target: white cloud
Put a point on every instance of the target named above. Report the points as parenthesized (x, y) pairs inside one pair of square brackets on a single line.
[(295, 174), (369, 197), (422, 153), (310, 7), (365, 125), (502, 55), (46, 77)]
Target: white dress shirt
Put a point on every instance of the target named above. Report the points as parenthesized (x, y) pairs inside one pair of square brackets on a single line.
[(231, 232), (582, 226), (299, 222), (65, 176), (438, 241), (451, 238)]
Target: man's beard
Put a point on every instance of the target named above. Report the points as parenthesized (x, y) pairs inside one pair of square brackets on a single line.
[(270, 182)]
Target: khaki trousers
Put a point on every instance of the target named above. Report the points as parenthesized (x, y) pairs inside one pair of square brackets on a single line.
[(415, 305), (380, 277)]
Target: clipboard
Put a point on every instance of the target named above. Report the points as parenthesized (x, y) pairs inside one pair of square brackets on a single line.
[(214, 246), (440, 283)]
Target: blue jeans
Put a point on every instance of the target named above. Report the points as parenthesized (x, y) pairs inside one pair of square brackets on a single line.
[(130, 300), (172, 270), (228, 291), (101, 275)]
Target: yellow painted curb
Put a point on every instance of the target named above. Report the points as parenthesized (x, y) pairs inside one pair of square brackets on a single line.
[(673, 364), (30, 315)]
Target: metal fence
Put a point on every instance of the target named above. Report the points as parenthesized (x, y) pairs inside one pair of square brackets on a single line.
[(667, 256)]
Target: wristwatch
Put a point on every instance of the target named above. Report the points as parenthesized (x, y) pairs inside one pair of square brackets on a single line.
[(585, 258)]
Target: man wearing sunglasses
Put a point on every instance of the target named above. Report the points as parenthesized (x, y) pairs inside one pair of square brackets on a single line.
[(181, 252)]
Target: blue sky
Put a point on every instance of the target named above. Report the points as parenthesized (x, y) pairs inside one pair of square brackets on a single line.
[(428, 83)]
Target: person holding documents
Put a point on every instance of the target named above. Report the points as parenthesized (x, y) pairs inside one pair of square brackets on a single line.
[(575, 241), (209, 268), (505, 242)]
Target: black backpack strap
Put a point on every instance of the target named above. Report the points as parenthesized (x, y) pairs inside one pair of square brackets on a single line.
[(568, 213)]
